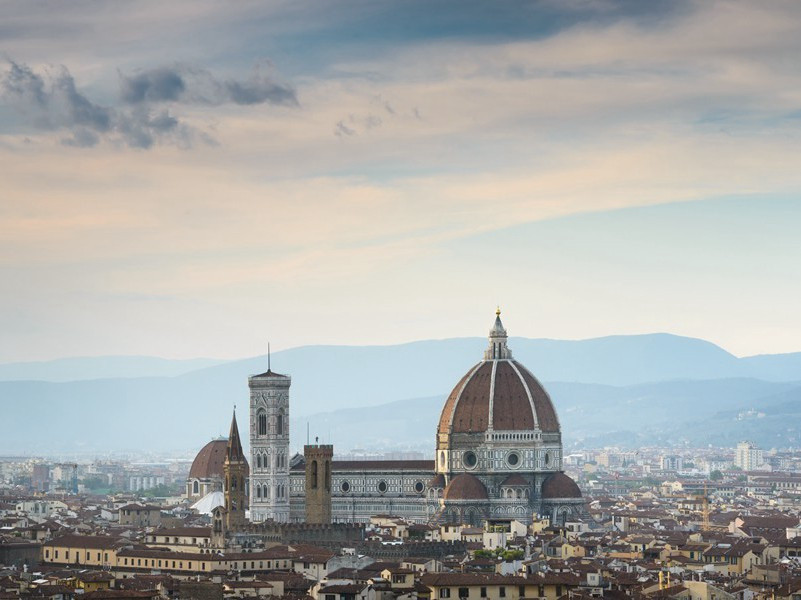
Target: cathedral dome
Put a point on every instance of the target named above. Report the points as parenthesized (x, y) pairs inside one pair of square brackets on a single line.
[(498, 393), (208, 463), (559, 485), (465, 487)]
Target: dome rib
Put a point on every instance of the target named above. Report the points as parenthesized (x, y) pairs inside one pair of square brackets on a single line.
[(449, 417), (536, 423), (542, 403)]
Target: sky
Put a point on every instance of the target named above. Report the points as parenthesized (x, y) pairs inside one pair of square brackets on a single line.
[(190, 179)]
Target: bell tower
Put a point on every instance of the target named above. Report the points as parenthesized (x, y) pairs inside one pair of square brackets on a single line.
[(235, 480), (318, 482), (269, 446)]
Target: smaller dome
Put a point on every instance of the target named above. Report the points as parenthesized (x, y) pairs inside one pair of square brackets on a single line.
[(560, 485), (465, 487), (209, 462), (438, 481), (515, 479)]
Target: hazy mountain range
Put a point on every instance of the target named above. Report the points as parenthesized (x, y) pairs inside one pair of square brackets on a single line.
[(621, 389)]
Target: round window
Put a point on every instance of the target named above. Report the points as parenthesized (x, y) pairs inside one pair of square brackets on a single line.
[(382, 486), (345, 487), (470, 459), (513, 459), (419, 487)]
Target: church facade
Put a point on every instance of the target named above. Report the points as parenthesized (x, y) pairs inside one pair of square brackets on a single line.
[(498, 456)]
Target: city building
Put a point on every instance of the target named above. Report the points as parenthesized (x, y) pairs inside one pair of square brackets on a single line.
[(498, 445), (748, 456)]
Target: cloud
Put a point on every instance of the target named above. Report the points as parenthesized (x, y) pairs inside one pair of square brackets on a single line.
[(146, 116), (188, 85), (157, 85)]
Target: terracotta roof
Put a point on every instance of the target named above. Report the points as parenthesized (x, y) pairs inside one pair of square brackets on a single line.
[(560, 485), (514, 391), (209, 461), (465, 487)]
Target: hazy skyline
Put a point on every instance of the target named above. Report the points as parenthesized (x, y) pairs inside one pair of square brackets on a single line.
[(195, 179)]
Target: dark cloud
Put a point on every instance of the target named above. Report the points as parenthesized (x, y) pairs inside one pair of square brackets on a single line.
[(78, 108), (52, 101), (158, 85), (259, 90), (21, 83), (187, 85)]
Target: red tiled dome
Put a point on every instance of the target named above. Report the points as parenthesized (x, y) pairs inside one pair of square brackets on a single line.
[(465, 487), (503, 393), (498, 394), (559, 485), (209, 461)]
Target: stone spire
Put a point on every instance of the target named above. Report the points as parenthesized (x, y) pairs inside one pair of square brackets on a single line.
[(234, 449), (497, 348), (235, 476)]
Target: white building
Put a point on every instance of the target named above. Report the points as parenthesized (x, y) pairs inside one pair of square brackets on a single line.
[(748, 456)]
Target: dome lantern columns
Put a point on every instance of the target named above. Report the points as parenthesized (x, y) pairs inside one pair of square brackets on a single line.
[(498, 349)]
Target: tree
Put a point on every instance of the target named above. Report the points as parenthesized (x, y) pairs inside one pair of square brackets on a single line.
[(716, 475)]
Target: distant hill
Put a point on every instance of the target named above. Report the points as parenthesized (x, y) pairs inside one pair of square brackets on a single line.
[(101, 367), (592, 415), (637, 385)]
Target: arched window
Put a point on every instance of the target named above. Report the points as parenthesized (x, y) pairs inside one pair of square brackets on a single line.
[(258, 491), (314, 474), (258, 461), (261, 417), (279, 424), (233, 483), (196, 487)]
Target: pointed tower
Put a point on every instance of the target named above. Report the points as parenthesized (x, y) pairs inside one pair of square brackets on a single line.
[(269, 446), (235, 470)]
